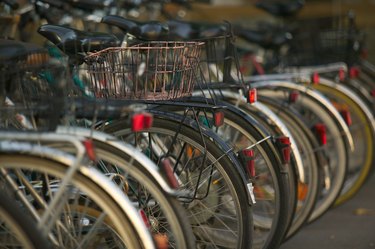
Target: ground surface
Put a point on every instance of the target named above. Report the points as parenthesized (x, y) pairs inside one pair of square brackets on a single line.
[(349, 226)]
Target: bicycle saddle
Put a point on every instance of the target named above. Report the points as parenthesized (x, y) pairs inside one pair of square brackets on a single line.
[(88, 5), (91, 5), (194, 30), (152, 30), (73, 41), (281, 9), (266, 39), (11, 50)]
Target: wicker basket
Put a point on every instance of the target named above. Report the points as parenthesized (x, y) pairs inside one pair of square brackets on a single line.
[(160, 70)]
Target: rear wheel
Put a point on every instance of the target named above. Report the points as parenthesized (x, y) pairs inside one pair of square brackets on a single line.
[(211, 188), (306, 142), (89, 218), (18, 230), (334, 145), (361, 159)]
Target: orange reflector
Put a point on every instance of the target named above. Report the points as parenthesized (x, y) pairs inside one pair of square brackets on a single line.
[(345, 114), (315, 78), (259, 193), (253, 96), (89, 147), (284, 146), (141, 121), (161, 241), (168, 170), (293, 96), (302, 190), (321, 132), (354, 72), (218, 118)]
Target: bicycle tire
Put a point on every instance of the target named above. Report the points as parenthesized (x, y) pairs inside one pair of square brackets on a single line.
[(17, 228), (238, 131), (223, 164), (284, 180), (86, 180), (306, 143), (170, 209), (313, 111), (113, 158), (362, 128)]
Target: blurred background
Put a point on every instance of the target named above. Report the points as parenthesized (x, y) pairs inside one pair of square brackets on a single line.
[(244, 12)]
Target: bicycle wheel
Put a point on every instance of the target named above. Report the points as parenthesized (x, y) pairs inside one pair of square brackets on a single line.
[(140, 179), (17, 230), (165, 214), (363, 91), (312, 159), (212, 190), (271, 183), (312, 108), (362, 129), (89, 214), (303, 188), (274, 188)]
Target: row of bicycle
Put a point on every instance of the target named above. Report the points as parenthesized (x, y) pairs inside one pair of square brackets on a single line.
[(180, 149)]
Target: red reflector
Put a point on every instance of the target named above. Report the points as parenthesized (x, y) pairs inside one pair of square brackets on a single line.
[(148, 119), (315, 78), (144, 218), (250, 162), (141, 121), (168, 170), (252, 98), (284, 145), (342, 74), (353, 72), (346, 116), (293, 96), (218, 118), (321, 132), (372, 92), (89, 147)]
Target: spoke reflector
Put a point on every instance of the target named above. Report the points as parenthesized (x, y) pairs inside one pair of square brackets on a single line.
[(249, 159), (168, 170), (89, 147), (353, 72), (315, 78), (253, 96), (218, 118), (342, 74), (346, 116), (293, 96), (321, 132), (284, 146), (144, 218)]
